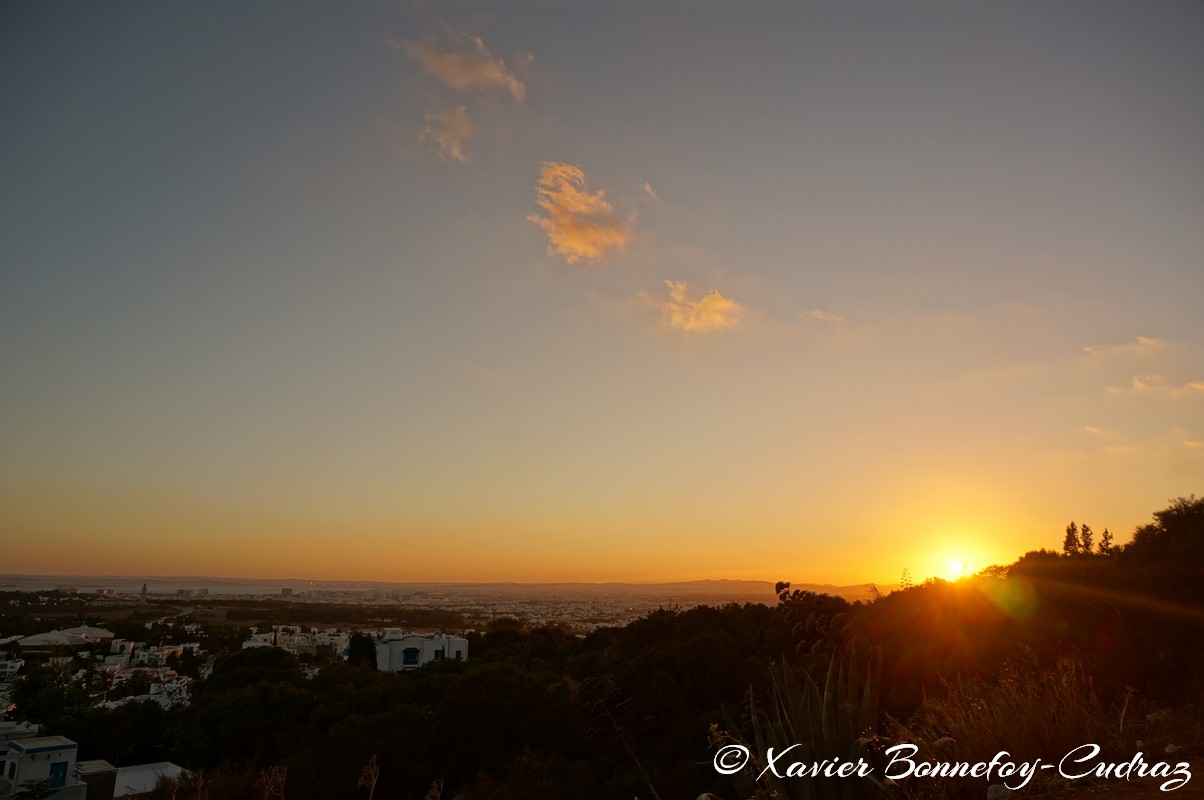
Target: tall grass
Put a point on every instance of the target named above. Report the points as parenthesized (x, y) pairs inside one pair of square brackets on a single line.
[(1028, 712)]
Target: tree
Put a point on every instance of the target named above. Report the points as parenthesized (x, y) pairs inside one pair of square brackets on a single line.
[(1070, 545), (1175, 538), (1086, 539), (361, 651), (1105, 543), (35, 790), (49, 693), (254, 665)]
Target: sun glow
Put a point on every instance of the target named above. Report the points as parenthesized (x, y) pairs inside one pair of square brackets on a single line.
[(957, 570)]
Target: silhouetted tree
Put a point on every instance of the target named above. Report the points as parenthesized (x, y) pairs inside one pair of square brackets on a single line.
[(816, 620), (361, 651), (1086, 539), (1071, 544), (1105, 543)]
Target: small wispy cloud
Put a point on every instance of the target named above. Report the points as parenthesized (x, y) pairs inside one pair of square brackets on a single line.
[(1139, 345), (686, 312), (1176, 444), (468, 65), (819, 315), (449, 133), (650, 193), (1158, 385), (581, 225)]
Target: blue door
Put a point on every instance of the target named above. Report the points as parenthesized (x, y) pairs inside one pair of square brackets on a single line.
[(58, 774)]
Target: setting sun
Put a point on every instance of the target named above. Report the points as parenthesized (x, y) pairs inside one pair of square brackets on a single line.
[(426, 314)]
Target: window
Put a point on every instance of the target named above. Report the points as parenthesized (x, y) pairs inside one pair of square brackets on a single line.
[(409, 657), (459, 655), (439, 654)]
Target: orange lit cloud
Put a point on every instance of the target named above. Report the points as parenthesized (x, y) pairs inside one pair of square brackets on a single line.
[(711, 312), (471, 66), (1157, 385), (449, 133), (581, 225), (1140, 344)]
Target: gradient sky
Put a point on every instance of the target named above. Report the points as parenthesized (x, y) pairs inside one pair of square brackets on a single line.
[(811, 292)]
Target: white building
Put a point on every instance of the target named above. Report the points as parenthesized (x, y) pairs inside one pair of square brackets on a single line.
[(397, 650), (140, 780), (66, 638), (41, 758)]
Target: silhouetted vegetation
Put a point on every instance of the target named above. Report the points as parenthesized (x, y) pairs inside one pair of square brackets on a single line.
[(1057, 649)]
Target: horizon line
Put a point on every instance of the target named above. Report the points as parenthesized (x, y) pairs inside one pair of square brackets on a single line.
[(244, 578)]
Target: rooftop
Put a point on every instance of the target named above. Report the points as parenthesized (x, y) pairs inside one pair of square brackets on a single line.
[(142, 778), (40, 744)]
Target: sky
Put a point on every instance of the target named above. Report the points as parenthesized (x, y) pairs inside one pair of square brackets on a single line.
[(646, 291)]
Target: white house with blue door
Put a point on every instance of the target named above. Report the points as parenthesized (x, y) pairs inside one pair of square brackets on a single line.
[(38, 759), (397, 651)]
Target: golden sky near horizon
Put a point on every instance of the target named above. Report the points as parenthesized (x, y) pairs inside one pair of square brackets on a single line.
[(813, 293)]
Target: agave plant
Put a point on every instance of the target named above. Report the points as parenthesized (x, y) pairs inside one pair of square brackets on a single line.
[(835, 723)]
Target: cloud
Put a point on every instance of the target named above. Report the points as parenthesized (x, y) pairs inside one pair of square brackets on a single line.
[(650, 193), (449, 133), (1175, 444), (1139, 345), (470, 66), (820, 315), (711, 312), (581, 225), (1157, 385)]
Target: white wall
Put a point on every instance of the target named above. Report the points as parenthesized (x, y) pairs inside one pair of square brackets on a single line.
[(392, 645)]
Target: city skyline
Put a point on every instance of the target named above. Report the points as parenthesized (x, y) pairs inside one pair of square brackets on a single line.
[(383, 292)]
